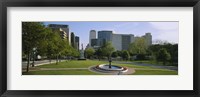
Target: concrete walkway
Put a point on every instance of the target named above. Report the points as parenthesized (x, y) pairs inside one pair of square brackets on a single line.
[(150, 65), (93, 69), (63, 69), (38, 63), (38, 69)]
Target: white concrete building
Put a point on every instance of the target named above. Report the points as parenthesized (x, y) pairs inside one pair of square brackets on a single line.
[(119, 41)]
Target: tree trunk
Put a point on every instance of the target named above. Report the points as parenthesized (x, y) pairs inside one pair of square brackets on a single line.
[(33, 64), (164, 62), (99, 58), (50, 60), (59, 58), (56, 59), (27, 69)]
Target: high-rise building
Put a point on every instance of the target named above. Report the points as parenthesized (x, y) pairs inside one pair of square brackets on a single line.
[(77, 42), (92, 36), (119, 41), (126, 41), (72, 39), (94, 42), (148, 38), (104, 36), (63, 29), (122, 41)]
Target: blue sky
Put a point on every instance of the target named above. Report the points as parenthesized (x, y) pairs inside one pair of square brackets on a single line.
[(166, 31)]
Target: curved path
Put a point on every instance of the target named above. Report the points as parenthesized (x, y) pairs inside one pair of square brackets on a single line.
[(130, 71), (150, 65)]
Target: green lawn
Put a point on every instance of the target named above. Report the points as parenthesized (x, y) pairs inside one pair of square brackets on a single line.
[(73, 64), (140, 70), (61, 72)]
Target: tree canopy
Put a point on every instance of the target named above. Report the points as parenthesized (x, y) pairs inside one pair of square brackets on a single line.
[(163, 55), (107, 49), (89, 52), (139, 46), (47, 42)]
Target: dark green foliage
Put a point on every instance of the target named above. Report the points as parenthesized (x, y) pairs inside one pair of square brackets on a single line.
[(163, 56), (99, 53), (125, 55), (47, 42), (172, 49), (114, 54), (33, 33), (107, 49), (140, 57), (139, 46), (89, 52)]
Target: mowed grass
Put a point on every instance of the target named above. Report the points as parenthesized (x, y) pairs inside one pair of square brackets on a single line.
[(61, 72), (73, 64), (140, 70)]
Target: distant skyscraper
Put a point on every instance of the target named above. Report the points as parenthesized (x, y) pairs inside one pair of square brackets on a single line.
[(119, 41), (72, 39), (94, 42), (122, 41), (148, 38), (77, 42), (92, 36), (104, 36), (63, 29), (126, 41)]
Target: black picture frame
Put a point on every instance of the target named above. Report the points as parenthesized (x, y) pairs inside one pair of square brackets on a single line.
[(98, 3)]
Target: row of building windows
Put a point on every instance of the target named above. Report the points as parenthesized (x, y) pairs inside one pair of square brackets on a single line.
[(119, 41)]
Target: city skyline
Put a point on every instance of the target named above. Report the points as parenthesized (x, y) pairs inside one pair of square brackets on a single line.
[(166, 31)]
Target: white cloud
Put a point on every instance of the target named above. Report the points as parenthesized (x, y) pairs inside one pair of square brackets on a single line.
[(168, 31), (165, 25), (170, 36)]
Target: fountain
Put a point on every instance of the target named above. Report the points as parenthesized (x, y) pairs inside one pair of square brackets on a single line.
[(111, 69)]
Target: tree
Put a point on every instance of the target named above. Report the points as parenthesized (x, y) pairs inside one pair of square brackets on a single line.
[(99, 53), (163, 55), (107, 49), (32, 36), (114, 54), (89, 52), (119, 53), (60, 47), (125, 55), (56, 46), (161, 42), (139, 46), (75, 52), (172, 49), (46, 47)]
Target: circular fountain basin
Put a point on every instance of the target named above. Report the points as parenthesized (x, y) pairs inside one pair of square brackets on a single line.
[(116, 70), (113, 67)]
